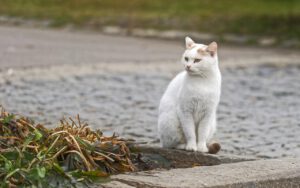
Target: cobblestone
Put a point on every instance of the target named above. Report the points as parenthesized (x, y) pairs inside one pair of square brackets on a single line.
[(259, 111)]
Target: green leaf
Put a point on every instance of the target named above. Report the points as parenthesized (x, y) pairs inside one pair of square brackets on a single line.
[(27, 141), (41, 172), (58, 168), (7, 119), (20, 157), (38, 135), (84, 143), (10, 155), (37, 173), (8, 166), (95, 173), (27, 156), (11, 174), (95, 176)]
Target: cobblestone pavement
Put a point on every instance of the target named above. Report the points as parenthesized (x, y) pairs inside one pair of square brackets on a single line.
[(259, 112)]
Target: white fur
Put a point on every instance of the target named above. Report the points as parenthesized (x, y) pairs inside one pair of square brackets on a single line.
[(187, 111)]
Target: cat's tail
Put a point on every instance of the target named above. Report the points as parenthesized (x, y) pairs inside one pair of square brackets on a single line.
[(214, 148)]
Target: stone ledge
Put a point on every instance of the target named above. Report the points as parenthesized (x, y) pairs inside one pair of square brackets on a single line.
[(261, 173), (184, 159)]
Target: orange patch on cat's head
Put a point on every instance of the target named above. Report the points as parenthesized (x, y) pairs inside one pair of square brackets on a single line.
[(202, 51), (212, 48)]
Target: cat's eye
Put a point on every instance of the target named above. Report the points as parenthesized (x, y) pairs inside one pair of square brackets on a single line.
[(197, 60), (186, 59)]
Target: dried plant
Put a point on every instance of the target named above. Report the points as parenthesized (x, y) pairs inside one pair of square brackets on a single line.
[(68, 155)]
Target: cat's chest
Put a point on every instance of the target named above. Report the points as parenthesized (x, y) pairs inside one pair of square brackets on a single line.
[(195, 98), (196, 92)]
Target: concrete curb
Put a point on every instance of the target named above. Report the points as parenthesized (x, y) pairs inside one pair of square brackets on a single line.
[(260, 173)]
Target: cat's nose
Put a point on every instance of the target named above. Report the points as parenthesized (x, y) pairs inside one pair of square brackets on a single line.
[(188, 67)]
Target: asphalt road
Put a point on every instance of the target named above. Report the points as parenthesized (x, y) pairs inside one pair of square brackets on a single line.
[(23, 47)]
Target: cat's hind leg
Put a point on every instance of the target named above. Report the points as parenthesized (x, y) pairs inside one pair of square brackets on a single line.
[(169, 130), (213, 147), (212, 129), (206, 130)]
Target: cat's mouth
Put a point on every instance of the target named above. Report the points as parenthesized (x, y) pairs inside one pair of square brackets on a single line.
[(189, 70)]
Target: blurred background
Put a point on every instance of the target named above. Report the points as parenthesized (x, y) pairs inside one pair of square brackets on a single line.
[(238, 21), (109, 61)]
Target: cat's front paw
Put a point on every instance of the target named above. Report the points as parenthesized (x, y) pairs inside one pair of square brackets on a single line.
[(202, 148), (191, 147)]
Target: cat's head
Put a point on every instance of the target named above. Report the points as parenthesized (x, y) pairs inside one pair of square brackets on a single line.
[(199, 58)]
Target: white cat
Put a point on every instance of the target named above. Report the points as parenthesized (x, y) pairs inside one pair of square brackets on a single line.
[(187, 111)]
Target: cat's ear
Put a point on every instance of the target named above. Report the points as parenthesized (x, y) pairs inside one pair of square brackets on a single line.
[(189, 43), (212, 48)]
